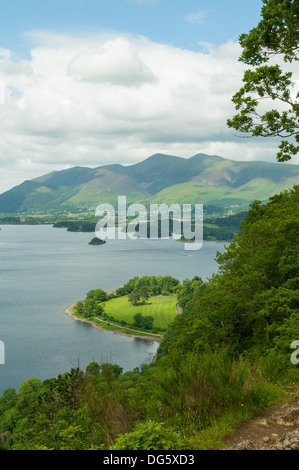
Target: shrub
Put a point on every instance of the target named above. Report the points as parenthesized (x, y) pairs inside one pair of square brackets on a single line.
[(150, 436)]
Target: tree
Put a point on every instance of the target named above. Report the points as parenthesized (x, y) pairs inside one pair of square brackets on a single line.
[(134, 297), (93, 368), (251, 304), (28, 391), (117, 370), (276, 36), (98, 294), (98, 309), (89, 305), (138, 320), (8, 399), (143, 292), (148, 322), (79, 307)]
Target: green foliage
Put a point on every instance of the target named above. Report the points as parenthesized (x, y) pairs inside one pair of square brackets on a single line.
[(77, 225), (276, 33), (252, 303), (190, 289), (147, 286), (121, 313), (225, 355), (92, 307), (97, 241), (145, 323), (134, 297), (93, 368), (98, 295), (28, 392), (150, 436), (194, 390), (8, 400), (162, 309)]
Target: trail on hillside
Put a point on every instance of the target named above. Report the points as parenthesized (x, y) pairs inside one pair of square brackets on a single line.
[(276, 428)]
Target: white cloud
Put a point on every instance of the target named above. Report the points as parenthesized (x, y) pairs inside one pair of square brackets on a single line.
[(4, 54), (112, 98), (16, 68), (115, 62), (195, 18), (206, 47)]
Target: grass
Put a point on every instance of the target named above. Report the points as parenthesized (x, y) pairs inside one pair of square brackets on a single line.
[(111, 326), (191, 191), (212, 438), (162, 308)]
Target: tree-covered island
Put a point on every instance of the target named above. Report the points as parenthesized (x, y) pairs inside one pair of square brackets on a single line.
[(97, 241)]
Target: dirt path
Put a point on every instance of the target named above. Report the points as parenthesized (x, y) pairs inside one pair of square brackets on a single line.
[(119, 327), (276, 428), (178, 309)]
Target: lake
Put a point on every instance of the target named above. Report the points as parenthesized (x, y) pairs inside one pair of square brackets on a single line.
[(44, 269)]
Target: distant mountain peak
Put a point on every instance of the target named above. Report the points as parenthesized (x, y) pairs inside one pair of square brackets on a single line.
[(208, 179), (161, 155), (204, 156)]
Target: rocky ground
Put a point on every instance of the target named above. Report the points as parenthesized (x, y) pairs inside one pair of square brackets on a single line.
[(276, 428)]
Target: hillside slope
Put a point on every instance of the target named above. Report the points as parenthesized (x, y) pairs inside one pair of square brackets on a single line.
[(220, 184)]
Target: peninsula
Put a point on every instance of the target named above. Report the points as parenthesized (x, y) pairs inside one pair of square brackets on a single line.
[(142, 308)]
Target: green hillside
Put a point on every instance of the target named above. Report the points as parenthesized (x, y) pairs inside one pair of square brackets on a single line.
[(228, 185)]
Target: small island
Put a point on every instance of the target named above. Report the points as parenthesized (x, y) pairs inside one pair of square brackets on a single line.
[(97, 241)]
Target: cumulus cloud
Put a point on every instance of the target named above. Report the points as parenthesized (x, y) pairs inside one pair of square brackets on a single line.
[(20, 68), (112, 98), (116, 62)]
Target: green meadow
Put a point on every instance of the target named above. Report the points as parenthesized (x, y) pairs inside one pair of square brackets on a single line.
[(161, 308)]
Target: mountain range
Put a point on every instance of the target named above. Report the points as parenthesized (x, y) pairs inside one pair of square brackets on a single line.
[(222, 185)]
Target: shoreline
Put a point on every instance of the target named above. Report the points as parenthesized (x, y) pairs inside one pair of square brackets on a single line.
[(70, 313)]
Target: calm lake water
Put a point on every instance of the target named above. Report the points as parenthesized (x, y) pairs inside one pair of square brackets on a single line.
[(44, 269)]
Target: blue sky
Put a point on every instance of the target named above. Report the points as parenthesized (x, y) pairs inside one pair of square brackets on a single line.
[(92, 82), (182, 23)]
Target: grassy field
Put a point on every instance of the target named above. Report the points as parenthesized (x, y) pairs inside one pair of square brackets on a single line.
[(162, 308)]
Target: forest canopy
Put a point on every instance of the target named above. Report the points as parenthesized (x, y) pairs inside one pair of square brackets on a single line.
[(251, 304)]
